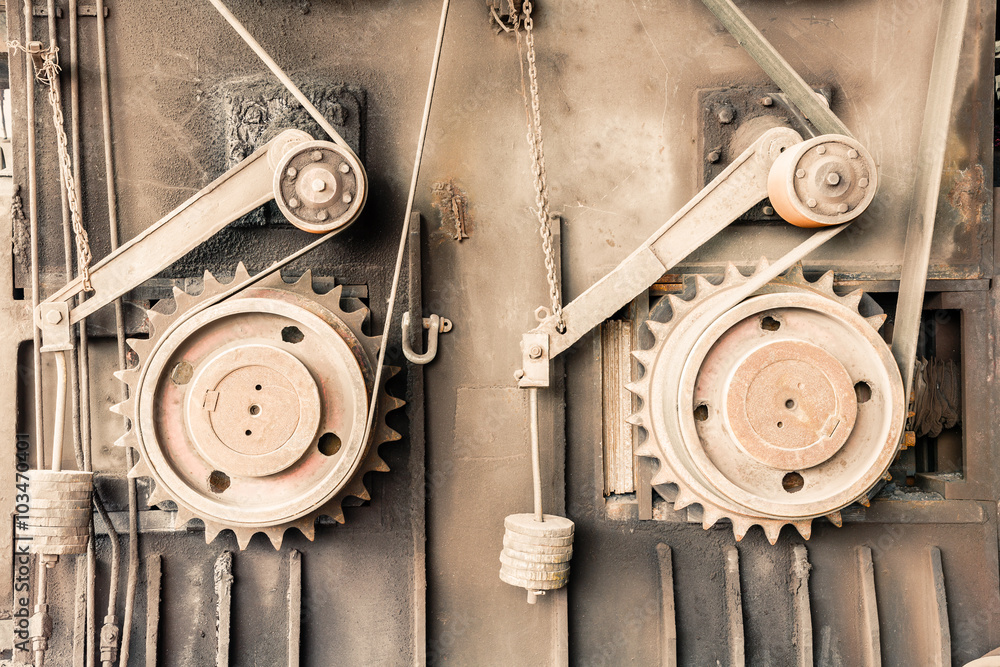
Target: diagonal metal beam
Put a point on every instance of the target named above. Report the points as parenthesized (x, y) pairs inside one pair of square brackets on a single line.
[(784, 76)]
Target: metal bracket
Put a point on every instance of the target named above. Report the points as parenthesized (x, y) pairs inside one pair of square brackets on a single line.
[(535, 359), (434, 324), (53, 321)]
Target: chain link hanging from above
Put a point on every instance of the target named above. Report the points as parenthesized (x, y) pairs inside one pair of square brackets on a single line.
[(536, 148), (47, 73)]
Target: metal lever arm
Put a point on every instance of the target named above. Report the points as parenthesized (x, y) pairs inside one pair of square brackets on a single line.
[(234, 194), (730, 195)]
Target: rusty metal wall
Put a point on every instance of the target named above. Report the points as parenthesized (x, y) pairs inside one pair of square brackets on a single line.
[(619, 85)]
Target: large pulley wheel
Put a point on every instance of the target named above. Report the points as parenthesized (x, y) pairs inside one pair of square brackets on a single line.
[(250, 413), (782, 408)]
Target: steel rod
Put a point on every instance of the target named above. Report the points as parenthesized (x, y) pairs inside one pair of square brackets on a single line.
[(927, 186), (280, 74), (59, 419), (784, 76), (536, 466)]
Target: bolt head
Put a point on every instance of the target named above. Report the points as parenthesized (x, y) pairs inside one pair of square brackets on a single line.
[(292, 172), (842, 208), (821, 150), (293, 202), (800, 173), (316, 156), (518, 374), (535, 351), (853, 154), (53, 317), (344, 168), (726, 115), (811, 203), (767, 101), (322, 216), (319, 185), (347, 198), (833, 178), (714, 156), (863, 183), (768, 210)]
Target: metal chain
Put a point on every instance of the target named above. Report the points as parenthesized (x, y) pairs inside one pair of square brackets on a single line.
[(48, 74), (536, 148)]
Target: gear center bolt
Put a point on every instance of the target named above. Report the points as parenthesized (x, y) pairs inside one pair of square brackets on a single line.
[(253, 410), (791, 405)]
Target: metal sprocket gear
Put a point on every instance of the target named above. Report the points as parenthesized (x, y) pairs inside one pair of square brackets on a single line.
[(771, 410), (248, 412)]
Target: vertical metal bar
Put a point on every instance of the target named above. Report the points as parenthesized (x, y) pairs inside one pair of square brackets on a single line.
[(152, 608), (927, 187), (80, 613), (802, 634), (871, 650), (417, 449), (734, 609), (938, 627), (294, 606), (536, 467), (223, 597), (668, 614), (776, 67)]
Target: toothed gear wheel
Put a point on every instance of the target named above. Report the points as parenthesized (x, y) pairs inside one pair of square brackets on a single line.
[(248, 412), (776, 409)]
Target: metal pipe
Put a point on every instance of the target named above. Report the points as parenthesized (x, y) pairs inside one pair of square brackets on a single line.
[(60, 411), (278, 72), (536, 466), (29, 83)]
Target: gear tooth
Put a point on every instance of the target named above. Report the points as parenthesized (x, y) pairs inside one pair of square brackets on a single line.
[(852, 300), (804, 528), (863, 500), (305, 280), (772, 529), (644, 357), (740, 527), (733, 274), (243, 536), (379, 465), (156, 496), (662, 476), (761, 265), (635, 386), (277, 535), (825, 282), (127, 439), (140, 469), (337, 293), (646, 450), (127, 376), (141, 345), (876, 321), (836, 519), (181, 298), (212, 531), (182, 516), (795, 273), (241, 273), (210, 285), (684, 499), (659, 329), (307, 527), (678, 308), (709, 516), (701, 284), (635, 419), (336, 513)]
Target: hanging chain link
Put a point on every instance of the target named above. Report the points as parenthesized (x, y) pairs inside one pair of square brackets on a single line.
[(48, 74), (534, 120)]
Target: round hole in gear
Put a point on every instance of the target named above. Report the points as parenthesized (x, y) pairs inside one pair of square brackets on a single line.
[(701, 413), (249, 432), (292, 335), (258, 387), (781, 424), (254, 410), (863, 391), (790, 404), (329, 444), (792, 482), (218, 481), (768, 323)]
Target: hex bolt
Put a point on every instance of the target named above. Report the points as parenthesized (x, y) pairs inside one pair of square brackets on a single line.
[(863, 183), (292, 172), (293, 202), (316, 156), (535, 352), (842, 208), (345, 168), (811, 203), (768, 210), (53, 317), (319, 185), (833, 178), (322, 216), (821, 150), (726, 115), (853, 154), (347, 198), (714, 156), (766, 101), (800, 173)]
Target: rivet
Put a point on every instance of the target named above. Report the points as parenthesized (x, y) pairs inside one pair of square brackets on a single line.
[(863, 183), (293, 202), (726, 115), (292, 172), (322, 215), (853, 154), (518, 374), (316, 156), (767, 101), (714, 156)]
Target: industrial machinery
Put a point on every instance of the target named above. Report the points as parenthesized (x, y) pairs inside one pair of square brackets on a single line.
[(753, 420)]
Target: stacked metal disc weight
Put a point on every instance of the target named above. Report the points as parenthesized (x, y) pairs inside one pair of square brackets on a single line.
[(536, 554), (58, 518)]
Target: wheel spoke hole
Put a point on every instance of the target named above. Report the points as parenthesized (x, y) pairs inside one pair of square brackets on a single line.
[(701, 413), (863, 391), (792, 482), (292, 335), (329, 444), (254, 410), (218, 481), (790, 404), (249, 432), (781, 424), (768, 323)]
